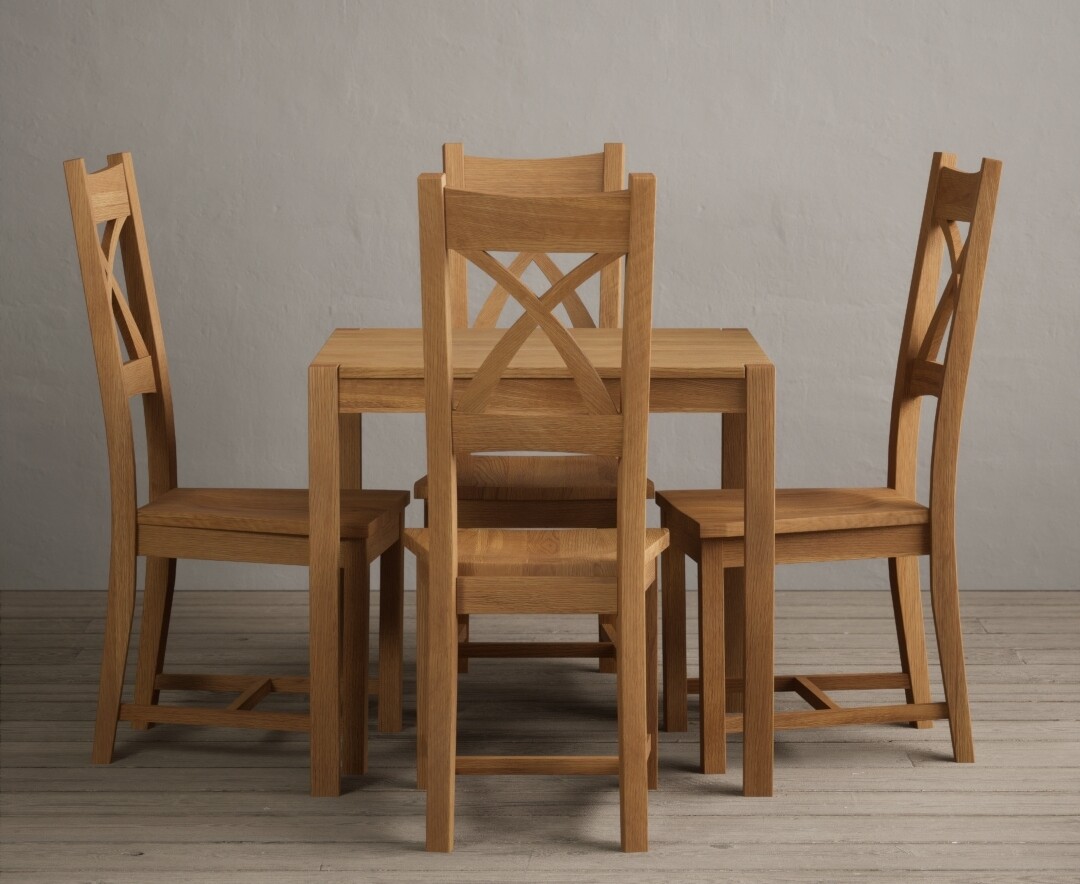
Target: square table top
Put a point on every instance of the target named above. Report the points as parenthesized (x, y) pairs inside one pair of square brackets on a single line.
[(676, 352)]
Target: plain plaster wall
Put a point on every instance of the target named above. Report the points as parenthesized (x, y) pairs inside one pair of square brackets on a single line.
[(277, 147)]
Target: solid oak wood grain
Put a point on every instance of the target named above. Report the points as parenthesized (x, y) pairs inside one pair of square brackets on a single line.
[(678, 354), (553, 552), (521, 477), (267, 510), (720, 513), (501, 223)]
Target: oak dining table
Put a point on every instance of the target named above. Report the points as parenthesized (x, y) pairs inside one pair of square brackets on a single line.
[(694, 370)]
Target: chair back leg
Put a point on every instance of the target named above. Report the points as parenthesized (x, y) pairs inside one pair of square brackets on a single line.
[(440, 686), (945, 601), (421, 674), (633, 730), (118, 620)]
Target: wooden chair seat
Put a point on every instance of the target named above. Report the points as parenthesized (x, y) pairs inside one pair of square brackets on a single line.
[(267, 510), (526, 478), (557, 552), (719, 513)]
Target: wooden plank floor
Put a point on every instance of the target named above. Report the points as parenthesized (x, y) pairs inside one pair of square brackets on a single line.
[(882, 803)]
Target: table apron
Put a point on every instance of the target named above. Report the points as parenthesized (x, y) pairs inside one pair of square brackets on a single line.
[(666, 395)]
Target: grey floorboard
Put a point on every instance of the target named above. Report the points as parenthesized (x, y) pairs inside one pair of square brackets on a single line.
[(860, 803)]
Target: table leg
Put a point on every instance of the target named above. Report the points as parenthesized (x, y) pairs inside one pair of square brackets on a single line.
[(733, 475), (351, 450), (354, 691), (760, 502), (324, 481)]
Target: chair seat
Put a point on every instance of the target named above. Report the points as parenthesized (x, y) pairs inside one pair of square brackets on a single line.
[(266, 510), (719, 513), (549, 552), (531, 477)]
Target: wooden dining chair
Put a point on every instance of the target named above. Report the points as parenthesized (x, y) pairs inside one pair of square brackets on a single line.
[(536, 570), (222, 524), (508, 491), (832, 524)]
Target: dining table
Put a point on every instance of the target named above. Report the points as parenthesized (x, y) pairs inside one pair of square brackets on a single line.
[(693, 370)]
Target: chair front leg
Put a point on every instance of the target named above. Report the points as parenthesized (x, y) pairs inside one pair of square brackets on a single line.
[(154, 631), (356, 594), (711, 658), (734, 636), (652, 709), (673, 569), (392, 634)]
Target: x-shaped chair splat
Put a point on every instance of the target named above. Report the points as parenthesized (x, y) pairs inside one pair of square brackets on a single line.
[(538, 313)]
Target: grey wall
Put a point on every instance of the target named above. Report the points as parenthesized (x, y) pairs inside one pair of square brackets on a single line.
[(277, 146)]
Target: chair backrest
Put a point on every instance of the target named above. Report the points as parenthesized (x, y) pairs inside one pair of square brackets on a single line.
[(952, 198), (107, 218), (592, 417), (560, 176)]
